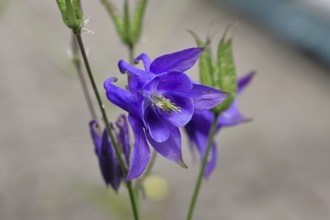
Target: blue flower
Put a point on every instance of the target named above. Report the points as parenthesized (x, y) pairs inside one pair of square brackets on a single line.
[(105, 152), (198, 128), (160, 99)]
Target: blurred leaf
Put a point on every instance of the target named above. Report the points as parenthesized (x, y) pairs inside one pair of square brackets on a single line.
[(138, 19), (227, 71), (117, 20), (205, 62), (127, 23), (225, 76)]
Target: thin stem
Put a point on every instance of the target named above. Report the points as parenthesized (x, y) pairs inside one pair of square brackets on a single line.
[(134, 200), (107, 124), (77, 63), (202, 169), (131, 54)]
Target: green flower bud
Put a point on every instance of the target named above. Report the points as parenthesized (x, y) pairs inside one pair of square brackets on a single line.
[(71, 14)]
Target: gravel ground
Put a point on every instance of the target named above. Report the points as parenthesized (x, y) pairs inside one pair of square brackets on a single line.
[(276, 167)]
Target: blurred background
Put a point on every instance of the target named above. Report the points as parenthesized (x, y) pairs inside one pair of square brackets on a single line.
[(275, 167)]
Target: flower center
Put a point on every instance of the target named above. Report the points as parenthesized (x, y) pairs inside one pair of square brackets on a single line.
[(164, 104)]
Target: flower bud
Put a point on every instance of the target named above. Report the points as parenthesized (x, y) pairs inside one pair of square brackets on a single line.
[(71, 14)]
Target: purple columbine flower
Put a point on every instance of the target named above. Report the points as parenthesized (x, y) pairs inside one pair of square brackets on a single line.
[(160, 99), (106, 154), (198, 129)]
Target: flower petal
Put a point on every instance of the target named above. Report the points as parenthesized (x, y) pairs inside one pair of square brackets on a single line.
[(145, 59), (171, 148), (127, 68), (179, 61), (122, 98), (232, 116), (157, 128), (182, 117), (206, 97), (173, 81), (109, 164), (141, 154), (124, 136), (243, 81)]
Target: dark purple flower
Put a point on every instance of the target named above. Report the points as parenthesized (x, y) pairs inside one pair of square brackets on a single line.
[(198, 128), (105, 152), (160, 99)]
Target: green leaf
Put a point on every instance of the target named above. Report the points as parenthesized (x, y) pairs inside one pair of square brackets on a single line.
[(137, 20), (205, 62), (226, 77), (127, 24), (116, 18)]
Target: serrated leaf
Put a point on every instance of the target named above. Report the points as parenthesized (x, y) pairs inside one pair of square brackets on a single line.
[(116, 18), (137, 20)]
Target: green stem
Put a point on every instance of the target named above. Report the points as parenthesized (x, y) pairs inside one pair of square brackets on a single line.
[(134, 200), (77, 63), (131, 54), (107, 124), (202, 169)]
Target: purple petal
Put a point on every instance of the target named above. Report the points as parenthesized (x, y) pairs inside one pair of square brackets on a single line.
[(232, 116), (243, 81), (141, 154), (157, 128), (122, 98), (136, 77), (198, 132), (171, 148), (182, 117), (206, 97), (145, 59), (109, 164), (173, 82), (179, 61), (127, 68), (124, 136)]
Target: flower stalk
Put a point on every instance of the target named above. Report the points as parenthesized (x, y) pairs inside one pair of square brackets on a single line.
[(202, 169), (107, 125), (76, 59)]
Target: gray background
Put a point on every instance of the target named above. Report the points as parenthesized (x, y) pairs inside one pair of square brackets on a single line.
[(274, 168)]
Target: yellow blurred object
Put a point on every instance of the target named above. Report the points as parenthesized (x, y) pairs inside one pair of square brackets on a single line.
[(156, 187)]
